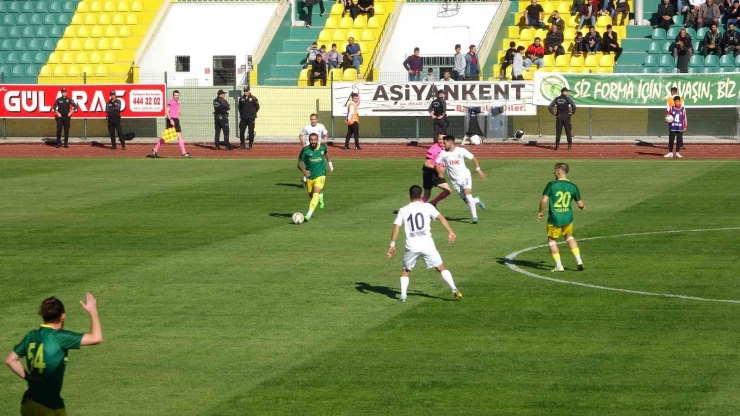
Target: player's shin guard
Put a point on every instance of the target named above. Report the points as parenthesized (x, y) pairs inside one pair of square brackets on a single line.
[(404, 285), (471, 203), (314, 203), (447, 277)]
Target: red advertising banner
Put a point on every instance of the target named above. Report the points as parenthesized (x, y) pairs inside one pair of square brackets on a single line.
[(36, 101)]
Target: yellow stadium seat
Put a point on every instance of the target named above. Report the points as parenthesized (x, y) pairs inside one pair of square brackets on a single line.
[(576, 61), (591, 61), (368, 35), (101, 71), (514, 32), (75, 45), (137, 6), (331, 23), (606, 61), (103, 44), (117, 44), (152, 5), (46, 70), (68, 58), (527, 75), (335, 75), (339, 35), (354, 33), (109, 6), (522, 7), (63, 45), (82, 7), (345, 23), (60, 70), (104, 19), (562, 61), (379, 8), (567, 46), (569, 33), (360, 22), (82, 58), (122, 6), (91, 19), (54, 58), (119, 19), (337, 10), (96, 6), (139, 30), (90, 44), (83, 32), (77, 19), (125, 55), (303, 75), (549, 7), (88, 70), (526, 35), (350, 74), (549, 60), (325, 35), (109, 58), (602, 21), (96, 58), (111, 32), (373, 23), (564, 8), (124, 32), (70, 32), (97, 32), (540, 33), (572, 20)]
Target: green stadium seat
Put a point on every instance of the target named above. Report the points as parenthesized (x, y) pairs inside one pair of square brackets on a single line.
[(691, 32), (668, 47), (3, 56), (697, 46), (710, 70), (56, 32), (32, 70), (726, 61), (711, 61), (651, 60), (9, 19), (18, 70), (21, 45), (15, 32), (4, 69), (29, 32), (696, 61), (37, 19), (51, 19), (649, 70), (35, 45), (64, 19), (667, 61), (40, 58), (42, 32), (70, 6), (666, 70), (737, 61), (6, 45), (3, 7), (655, 47), (50, 44), (29, 6), (13, 58), (42, 7), (23, 19), (658, 34), (3, 32), (701, 32), (15, 7), (695, 70), (27, 58), (672, 33), (678, 20), (56, 7), (727, 69)]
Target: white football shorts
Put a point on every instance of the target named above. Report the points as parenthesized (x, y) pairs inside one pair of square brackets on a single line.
[(462, 184), (431, 258)]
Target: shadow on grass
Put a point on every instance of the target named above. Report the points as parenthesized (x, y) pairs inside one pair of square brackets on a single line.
[(394, 294), (291, 185), (280, 215), (541, 265)]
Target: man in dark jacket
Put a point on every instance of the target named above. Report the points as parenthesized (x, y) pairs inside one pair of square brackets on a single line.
[(438, 112), (713, 41), (554, 42), (248, 108), (666, 10), (113, 115), (610, 43), (592, 41), (318, 71), (731, 41), (413, 64), (508, 58), (221, 109), (565, 108)]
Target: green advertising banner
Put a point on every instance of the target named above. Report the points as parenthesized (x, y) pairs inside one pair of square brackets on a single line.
[(639, 90)]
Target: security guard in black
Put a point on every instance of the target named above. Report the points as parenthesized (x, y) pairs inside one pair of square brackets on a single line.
[(63, 107), (113, 115), (221, 109), (438, 112), (248, 108), (565, 108)]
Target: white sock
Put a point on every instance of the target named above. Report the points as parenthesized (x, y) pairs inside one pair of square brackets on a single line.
[(578, 260), (404, 285), (447, 277), (309, 213), (471, 204)]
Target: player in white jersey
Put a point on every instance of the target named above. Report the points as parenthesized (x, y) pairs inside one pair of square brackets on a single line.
[(314, 128), (417, 218), (453, 159)]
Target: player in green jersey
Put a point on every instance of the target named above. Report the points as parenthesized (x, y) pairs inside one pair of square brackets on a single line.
[(312, 162), (45, 350), (558, 196)]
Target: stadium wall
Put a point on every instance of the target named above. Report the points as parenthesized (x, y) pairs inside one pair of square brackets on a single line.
[(190, 29)]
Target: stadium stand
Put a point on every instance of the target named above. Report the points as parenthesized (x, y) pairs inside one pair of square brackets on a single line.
[(100, 41)]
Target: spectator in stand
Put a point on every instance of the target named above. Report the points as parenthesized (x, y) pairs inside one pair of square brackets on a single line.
[(575, 8), (309, 10), (610, 43), (458, 69), (682, 53), (517, 68), (665, 15), (535, 54), (312, 50), (333, 58), (413, 65), (713, 41), (556, 20), (447, 77), (622, 8), (685, 39), (554, 42), (588, 12), (578, 44), (508, 58), (731, 41), (430, 76), (608, 8), (724, 6), (733, 13), (709, 14), (534, 15), (348, 6), (318, 71), (692, 14), (592, 41), (354, 55), (472, 66), (364, 7)]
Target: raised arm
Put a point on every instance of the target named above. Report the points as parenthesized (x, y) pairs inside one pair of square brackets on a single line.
[(95, 336)]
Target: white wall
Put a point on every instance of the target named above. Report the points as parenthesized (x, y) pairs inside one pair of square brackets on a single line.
[(191, 28), (419, 26)]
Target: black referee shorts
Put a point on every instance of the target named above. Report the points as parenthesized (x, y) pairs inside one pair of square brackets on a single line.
[(431, 178), (175, 122)]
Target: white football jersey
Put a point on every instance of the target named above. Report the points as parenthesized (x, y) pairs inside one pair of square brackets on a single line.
[(417, 218), (309, 129), (454, 162)]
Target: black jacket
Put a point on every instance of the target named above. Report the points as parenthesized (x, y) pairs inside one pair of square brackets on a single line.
[(64, 105), (553, 39), (248, 106), (113, 110), (438, 107), (588, 37), (564, 105), (731, 38), (220, 107)]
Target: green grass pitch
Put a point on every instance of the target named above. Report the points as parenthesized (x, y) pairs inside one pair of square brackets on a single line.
[(213, 304)]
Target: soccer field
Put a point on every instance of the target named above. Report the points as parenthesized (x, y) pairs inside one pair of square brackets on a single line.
[(212, 303)]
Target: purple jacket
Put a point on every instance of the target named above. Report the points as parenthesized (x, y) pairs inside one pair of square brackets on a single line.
[(413, 63)]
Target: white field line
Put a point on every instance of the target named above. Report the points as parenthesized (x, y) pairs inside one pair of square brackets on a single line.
[(510, 263)]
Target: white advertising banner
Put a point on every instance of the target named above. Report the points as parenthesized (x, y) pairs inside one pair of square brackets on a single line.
[(412, 99)]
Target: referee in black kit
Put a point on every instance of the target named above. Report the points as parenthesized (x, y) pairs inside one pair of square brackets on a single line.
[(63, 107), (248, 108), (113, 115), (565, 108), (438, 112), (221, 109)]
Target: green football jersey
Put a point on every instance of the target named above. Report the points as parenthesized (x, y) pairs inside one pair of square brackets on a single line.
[(45, 350), (561, 193), (314, 160)]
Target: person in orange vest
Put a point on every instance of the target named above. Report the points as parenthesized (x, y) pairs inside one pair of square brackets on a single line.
[(353, 121)]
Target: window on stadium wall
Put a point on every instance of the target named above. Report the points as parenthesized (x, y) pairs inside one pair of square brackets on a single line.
[(224, 70)]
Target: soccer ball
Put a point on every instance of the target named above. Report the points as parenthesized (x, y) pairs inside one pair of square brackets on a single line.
[(475, 140), (668, 119), (297, 218)]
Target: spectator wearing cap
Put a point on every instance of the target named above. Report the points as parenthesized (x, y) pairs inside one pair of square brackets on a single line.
[(113, 116), (564, 107), (438, 112), (517, 68), (472, 65), (413, 64), (63, 108), (221, 109), (249, 106), (666, 10), (535, 54), (713, 41), (430, 76), (554, 42), (708, 14), (318, 71), (731, 41), (534, 15), (610, 43)]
